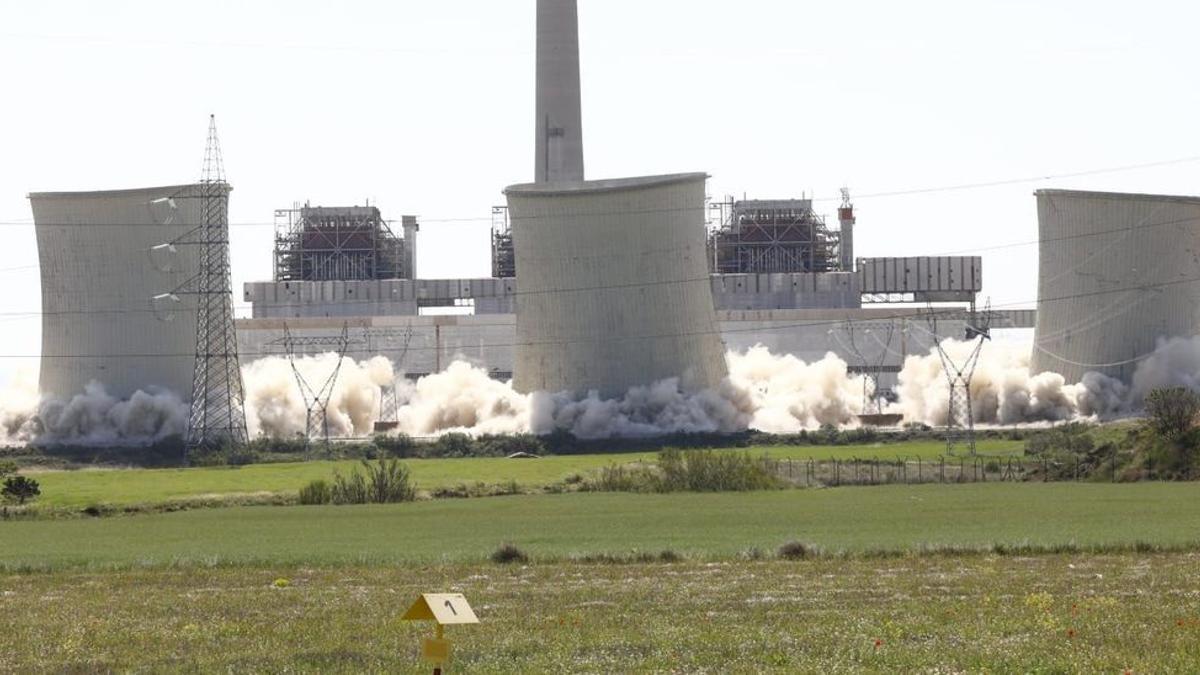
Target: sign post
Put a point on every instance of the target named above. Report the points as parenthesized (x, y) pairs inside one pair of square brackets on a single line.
[(445, 609)]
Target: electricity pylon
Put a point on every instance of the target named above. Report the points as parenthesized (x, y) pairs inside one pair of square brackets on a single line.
[(217, 415)]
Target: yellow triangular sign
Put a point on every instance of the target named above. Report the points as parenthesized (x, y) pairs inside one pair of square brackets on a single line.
[(445, 608)]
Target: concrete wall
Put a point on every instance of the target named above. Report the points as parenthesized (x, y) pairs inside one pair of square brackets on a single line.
[(1117, 273), (578, 331), (393, 297), (488, 341), (797, 290), (100, 274)]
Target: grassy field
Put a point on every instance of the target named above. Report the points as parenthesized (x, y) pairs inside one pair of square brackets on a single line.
[(140, 486), (1045, 614), (703, 526)]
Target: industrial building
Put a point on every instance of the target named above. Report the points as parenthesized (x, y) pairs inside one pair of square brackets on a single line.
[(604, 284), (1113, 279), (112, 267), (355, 243)]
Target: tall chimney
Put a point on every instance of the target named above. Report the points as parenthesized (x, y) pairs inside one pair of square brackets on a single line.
[(846, 220), (559, 120)]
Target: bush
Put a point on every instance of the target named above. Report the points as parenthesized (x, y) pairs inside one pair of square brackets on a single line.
[(1172, 411), (400, 445), (387, 481), (7, 468), (20, 489), (315, 493), (709, 471), (507, 554), (794, 550), (690, 471)]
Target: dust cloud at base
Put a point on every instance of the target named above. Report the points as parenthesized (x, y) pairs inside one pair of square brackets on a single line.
[(764, 391)]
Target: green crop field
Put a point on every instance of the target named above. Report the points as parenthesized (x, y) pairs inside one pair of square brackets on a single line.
[(1044, 614), (141, 486), (706, 526), (903, 579)]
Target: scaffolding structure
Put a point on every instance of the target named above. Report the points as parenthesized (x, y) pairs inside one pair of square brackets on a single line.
[(767, 236), (504, 261), (340, 243)]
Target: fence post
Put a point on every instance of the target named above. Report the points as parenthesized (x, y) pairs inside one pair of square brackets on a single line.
[(918, 468)]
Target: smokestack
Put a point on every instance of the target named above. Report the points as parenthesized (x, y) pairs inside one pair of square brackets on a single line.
[(559, 120), (846, 220)]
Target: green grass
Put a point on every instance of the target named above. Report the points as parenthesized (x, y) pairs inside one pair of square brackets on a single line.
[(707, 526), (1045, 614), (141, 486)]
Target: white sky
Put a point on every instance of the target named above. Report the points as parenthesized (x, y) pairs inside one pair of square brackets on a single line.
[(426, 108)]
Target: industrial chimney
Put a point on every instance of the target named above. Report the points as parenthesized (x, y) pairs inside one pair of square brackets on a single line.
[(559, 120)]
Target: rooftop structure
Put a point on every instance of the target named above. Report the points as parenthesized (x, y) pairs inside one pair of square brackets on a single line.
[(769, 236), (342, 243)]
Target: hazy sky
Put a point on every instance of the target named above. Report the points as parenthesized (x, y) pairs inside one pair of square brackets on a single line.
[(426, 108)]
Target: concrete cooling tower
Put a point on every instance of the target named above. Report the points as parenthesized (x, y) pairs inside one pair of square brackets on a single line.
[(1117, 273), (109, 314), (614, 285)]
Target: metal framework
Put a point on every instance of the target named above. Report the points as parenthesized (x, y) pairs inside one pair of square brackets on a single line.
[(316, 401), (768, 236), (960, 418), (389, 410), (871, 370), (342, 243), (217, 414), (504, 260)]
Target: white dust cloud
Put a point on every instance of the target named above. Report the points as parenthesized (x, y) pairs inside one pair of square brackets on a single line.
[(764, 391)]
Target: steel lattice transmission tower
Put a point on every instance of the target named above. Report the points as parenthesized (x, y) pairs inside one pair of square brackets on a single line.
[(218, 416), (960, 417), (870, 369), (316, 401)]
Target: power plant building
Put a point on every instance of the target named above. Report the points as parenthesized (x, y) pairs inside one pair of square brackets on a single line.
[(1116, 275), (614, 285), (112, 267)]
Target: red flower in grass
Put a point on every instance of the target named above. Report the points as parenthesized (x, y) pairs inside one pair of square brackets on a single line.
[(1071, 632), (878, 644)]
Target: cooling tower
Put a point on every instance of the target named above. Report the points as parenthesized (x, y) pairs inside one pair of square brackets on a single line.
[(614, 285), (1117, 273), (559, 134), (113, 308)]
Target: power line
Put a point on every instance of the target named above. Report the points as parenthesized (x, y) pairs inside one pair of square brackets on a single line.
[(921, 314), (519, 293), (873, 195)]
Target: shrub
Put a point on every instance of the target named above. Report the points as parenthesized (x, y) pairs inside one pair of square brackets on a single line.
[(507, 554), (389, 482), (350, 489), (7, 468), (795, 550), (709, 471), (453, 445), (400, 445), (316, 492), (386, 481), (20, 489), (1172, 411)]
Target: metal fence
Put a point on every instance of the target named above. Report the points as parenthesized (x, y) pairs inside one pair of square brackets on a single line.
[(980, 469)]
